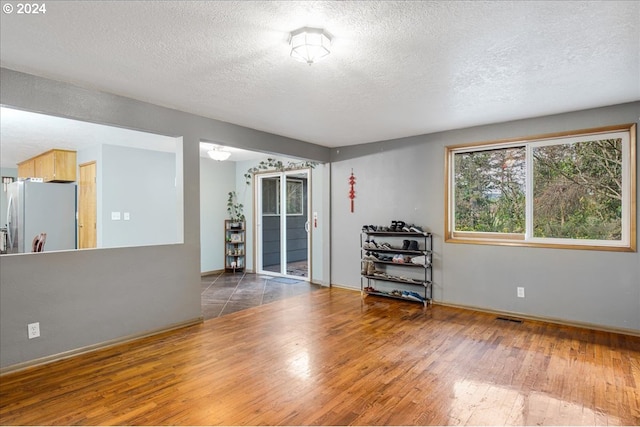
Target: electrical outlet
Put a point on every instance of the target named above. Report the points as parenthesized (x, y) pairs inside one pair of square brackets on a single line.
[(520, 292), (34, 330)]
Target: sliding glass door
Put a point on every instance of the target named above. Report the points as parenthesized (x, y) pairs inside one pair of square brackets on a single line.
[(283, 223)]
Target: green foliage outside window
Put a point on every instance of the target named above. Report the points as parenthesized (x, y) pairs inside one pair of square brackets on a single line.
[(490, 191), (577, 190)]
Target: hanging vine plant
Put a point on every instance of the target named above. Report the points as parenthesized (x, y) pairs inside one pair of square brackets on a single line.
[(276, 165)]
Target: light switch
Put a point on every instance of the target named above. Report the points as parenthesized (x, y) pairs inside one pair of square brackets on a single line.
[(115, 216), (126, 216)]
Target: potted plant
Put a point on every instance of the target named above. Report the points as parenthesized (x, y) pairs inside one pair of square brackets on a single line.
[(234, 209)]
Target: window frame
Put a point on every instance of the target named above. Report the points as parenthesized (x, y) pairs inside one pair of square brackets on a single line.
[(629, 177)]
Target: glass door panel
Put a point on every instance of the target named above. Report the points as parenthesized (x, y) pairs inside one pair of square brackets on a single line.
[(270, 224), (283, 223), (297, 225)]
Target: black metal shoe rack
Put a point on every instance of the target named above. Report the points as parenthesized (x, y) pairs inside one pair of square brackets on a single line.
[(383, 248)]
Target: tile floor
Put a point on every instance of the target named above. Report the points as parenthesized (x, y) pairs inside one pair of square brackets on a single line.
[(226, 293)]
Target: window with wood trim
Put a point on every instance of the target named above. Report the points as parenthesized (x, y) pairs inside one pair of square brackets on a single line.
[(571, 190)]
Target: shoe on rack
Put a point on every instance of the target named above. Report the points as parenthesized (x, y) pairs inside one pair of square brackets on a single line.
[(363, 267), (371, 268), (373, 256), (421, 260), (412, 295), (370, 244), (413, 245), (416, 229), (400, 225), (405, 245), (394, 225)]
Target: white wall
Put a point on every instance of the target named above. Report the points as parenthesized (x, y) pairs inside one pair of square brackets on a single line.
[(404, 180), (216, 180), (141, 183)]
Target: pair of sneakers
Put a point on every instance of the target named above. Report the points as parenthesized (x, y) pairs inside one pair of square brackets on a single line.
[(397, 226), (401, 259), (410, 245), (370, 244), (368, 267), (402, 226)]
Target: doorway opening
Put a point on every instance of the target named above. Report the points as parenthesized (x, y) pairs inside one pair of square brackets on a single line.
[(283, 207)]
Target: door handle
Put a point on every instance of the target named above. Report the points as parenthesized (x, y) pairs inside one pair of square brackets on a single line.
[(10, 221)]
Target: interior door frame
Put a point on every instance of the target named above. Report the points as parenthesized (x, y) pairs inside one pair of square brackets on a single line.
[(82, 228), (258, 247)]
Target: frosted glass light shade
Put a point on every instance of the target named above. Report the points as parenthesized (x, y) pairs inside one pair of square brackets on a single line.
[(219, 155), (309, 44)]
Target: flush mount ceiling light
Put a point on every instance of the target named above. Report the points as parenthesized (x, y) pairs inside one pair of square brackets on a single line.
[(216, 153), (309, 44)]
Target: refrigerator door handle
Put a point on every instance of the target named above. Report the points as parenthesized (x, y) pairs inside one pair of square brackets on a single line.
[(9, 220)]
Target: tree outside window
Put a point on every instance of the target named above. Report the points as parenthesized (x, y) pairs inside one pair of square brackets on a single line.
[(577, 190), (572, 190)]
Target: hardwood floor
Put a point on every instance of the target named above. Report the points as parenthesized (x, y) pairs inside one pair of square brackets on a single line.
[(330, 358)]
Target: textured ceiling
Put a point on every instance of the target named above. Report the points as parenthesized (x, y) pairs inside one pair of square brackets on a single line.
[(397, 68)]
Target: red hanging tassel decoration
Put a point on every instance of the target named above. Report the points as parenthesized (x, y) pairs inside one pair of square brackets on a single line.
[(352, 190)]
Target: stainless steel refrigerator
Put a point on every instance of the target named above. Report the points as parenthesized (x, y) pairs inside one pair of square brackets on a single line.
[(41, 207)]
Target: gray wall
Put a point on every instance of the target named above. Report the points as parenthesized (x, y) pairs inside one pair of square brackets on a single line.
[(320, 230), (404, 180), (84, 298)]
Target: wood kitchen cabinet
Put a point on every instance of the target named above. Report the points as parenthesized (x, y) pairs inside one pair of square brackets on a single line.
[(27, 169), (52, 166)]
